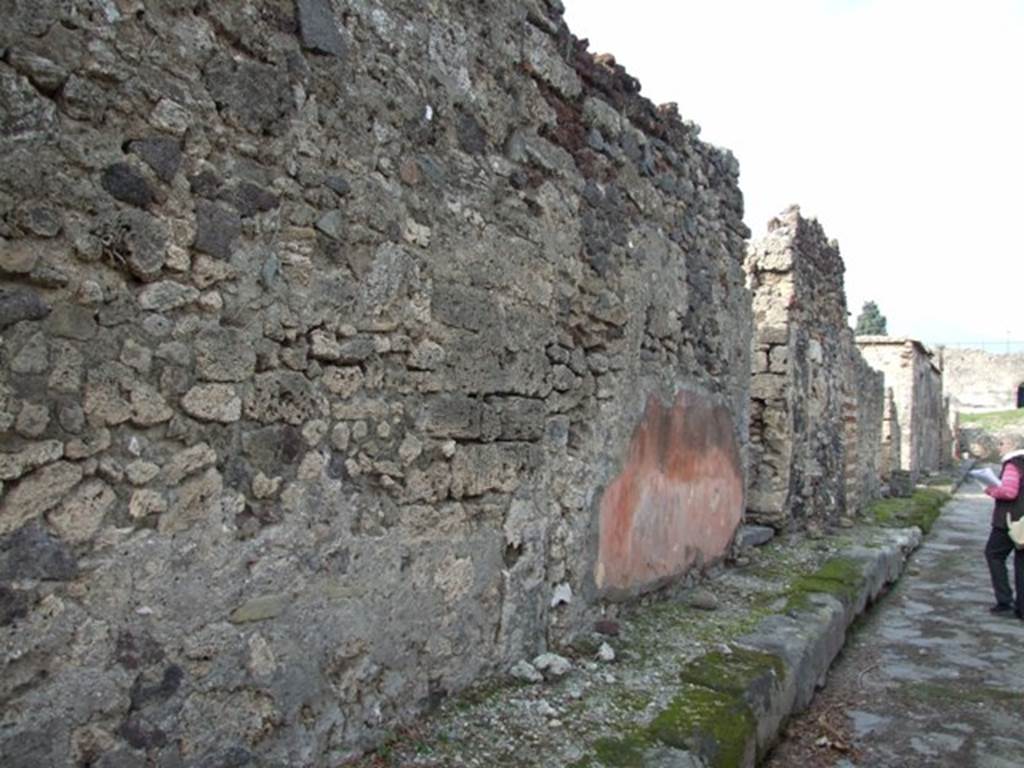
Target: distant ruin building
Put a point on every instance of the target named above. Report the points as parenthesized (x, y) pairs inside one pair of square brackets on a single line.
[(982, 381), (816, 412), (864, 427), (889, 456), (916, 380)]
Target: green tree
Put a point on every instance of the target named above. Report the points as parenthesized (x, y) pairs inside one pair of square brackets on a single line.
[(870, 322)]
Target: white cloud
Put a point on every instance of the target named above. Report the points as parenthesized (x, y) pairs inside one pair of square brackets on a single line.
[(899, 124)]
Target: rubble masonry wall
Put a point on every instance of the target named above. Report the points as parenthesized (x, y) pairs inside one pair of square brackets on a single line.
[(916, 380), (816, 411), (336, 343)]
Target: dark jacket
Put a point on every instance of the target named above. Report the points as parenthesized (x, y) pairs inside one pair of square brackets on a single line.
[(1015, 507)]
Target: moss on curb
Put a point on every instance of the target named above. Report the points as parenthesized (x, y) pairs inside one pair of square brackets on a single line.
[(701, 625), (625, 752), (709, 716), (735, 672), (840, 577), (717, 725), (712, 714), (921, 509), (632, 701)]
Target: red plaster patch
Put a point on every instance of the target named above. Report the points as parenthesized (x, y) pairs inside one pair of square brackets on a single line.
[(677, 501)]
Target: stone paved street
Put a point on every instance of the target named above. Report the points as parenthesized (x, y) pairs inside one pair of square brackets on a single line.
[(930, 678)]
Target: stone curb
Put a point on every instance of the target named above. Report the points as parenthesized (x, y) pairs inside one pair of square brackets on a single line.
[(781, 662)]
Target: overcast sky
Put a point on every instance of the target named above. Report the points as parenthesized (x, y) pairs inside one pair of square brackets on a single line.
[(898, 124)]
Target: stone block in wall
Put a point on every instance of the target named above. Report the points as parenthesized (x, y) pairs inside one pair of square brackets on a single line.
[(759, 360), (772, 335), (769, 386), (768, 506), (778, 359)]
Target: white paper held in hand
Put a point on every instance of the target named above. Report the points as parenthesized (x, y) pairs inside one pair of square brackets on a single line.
[(986, 477)]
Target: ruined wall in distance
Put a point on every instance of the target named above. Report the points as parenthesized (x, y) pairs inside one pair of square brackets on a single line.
[(815, 405), (936, 445), (863, 416), (889, 457), (334, 337), (916, 380), (976, 380)]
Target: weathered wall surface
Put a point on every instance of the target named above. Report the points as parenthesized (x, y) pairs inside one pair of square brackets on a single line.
[(951, 430), (809, 415), (331, 339), (889, 456), (676, 461), (916, 381), (863, 416), (981, 381)]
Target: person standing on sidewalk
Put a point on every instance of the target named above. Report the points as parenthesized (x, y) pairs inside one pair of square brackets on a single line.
[(1009, 499)]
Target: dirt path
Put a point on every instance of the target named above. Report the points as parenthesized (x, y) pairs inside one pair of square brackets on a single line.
[(930, 678)]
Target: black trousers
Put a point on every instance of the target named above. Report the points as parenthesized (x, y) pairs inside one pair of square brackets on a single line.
[(997, 549)]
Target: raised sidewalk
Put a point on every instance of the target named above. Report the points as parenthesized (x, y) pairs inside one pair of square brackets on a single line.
[(704, 679)]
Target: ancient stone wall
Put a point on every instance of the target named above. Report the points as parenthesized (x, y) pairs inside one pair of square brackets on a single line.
[(981, 381), (342, 347), (916, 382), (889, 456), (936, 445), (816, 406), (951, 430), (863, 417)]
